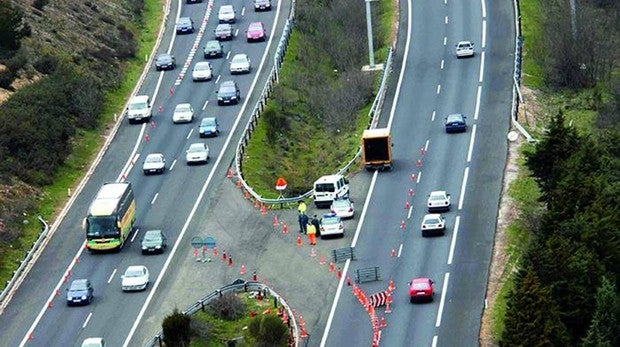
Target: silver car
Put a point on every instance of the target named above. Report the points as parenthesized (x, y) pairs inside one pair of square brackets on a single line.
[(331, 225), (464, 49), (154, 163), (343, 208), (202, 71), (433, 224), (183, 113), (240, 63), (438, 200), (197, 153), (136, 277)]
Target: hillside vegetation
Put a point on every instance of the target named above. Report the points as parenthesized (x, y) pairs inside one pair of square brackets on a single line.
[(62, 64), (565, 290)]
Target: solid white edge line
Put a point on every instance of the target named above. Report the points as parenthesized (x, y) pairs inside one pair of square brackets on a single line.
[(51, 297), (472, 139), (364, 209), (446, 278), (481, 74), (400, 250), (204, 189), (463, 186), (403, 68), (419, 176), (434, 343), (477, 109), (111, 276), (455, 232), (87, 319), (484, 9), (154, 198)]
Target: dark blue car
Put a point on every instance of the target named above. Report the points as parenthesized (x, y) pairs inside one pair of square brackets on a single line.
[(185, 25), (80, 292), (209, 127), (455, 123)]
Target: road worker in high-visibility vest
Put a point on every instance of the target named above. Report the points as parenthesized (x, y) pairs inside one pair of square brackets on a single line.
[(311, 230), (301, 208)]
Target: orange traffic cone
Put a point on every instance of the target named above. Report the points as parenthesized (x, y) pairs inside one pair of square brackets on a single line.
[(419, 163), (339, 274), (422, 151), (263, 209), (322, 260), (285, 229), (402, 224), (412, 177), (275, 221), (239, 184), (242, 272), (407, 205), (393, 253), (391, 286), (383, 325), (299, 241), (229, 173), (313, 252), (256, 204), (247, 195), (331, 266), (348, 280), (411, 192)]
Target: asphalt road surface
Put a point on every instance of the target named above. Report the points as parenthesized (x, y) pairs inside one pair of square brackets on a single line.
[(468, 165), (38, 317)]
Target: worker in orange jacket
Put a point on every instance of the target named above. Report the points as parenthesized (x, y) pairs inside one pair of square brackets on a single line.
[(311, 231)]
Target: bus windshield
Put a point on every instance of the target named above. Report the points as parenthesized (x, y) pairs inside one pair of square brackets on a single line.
[(102, 227)]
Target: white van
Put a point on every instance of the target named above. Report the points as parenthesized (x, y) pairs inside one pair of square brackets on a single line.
[(139, 109), (328, 188)]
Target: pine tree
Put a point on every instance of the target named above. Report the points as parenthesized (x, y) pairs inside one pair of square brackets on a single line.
[(11, 26), (603, 330), (532, 318)]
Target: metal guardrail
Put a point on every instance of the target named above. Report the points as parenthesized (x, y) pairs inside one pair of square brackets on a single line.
[(374, 113), (234, 288), (516, 93), (24, 263)]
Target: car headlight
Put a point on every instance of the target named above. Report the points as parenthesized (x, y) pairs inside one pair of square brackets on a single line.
[(144, 247), (158, 247), (220, 98), (233, 97), (83, 297)]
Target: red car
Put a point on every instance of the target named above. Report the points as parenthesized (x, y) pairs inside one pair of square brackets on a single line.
[(256, 32), (421, 289)]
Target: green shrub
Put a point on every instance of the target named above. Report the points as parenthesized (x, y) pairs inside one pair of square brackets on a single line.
[(177, 329), (228, 306), (269, 331)]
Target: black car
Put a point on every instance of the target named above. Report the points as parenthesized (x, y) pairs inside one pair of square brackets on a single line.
[(165, 61), (455, 123), (262, 5), (228, 93), (80, 292), (214, 49), (192, 1), (223, 32), (154, 241), (185, 25)]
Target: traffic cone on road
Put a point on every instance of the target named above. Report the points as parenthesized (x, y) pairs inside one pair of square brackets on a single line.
[(256, 204), (299, 241), (275, 221), (239, 184), (331, 266), (322, 260), (348, 280), (383, 324), (407, 205), (230, 263), (247, 195), (313, 252), (224, 256), (411, 192), (339, 274), (402, 224), (229, 173), (391, 286), (412, 177), (284, 229), (418, 163), (263, 210), (242, 271), (393, 253), (422, 151)]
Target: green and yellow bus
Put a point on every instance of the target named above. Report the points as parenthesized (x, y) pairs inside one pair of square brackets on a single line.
[(110, 217)]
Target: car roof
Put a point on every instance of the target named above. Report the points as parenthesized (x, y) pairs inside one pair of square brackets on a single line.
[(79, 281), (256, 25), (464, 43), (432, 216), (203, 63), (135, 267), (330, 215), (140, 98), (153, 232), (197, 144), (223, 25), (183, 105), (420, 280), (226, 7), (438, 192), (152, 155), (455, 115), (184, 19), (211, 119), (239, 55), (227, 84)]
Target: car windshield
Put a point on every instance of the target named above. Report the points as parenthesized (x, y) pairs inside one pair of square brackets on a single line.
[(184, 21), (182, 108), (102, 227), (227, 89), (138, 106), (325, 187), (254, 27), (201, 67), (454, 118), (213, 45), (196, 149), (331, 220), (152, 236), (419, 286), (163, 58), (222, 28), (437, 197), (153, 159), (341, 203), (208, 122), (238, 59), (78, 286), (432, 221), (134, 273)]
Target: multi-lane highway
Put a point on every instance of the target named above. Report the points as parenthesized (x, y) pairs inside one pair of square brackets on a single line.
[(431, 85), (37, 314)]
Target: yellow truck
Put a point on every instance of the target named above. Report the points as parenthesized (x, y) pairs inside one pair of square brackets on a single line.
[(377, 149)]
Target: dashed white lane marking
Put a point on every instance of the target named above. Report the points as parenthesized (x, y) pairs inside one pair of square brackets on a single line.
[(438, 88), (190, 133), (400, 250), (463, 186), (154, 198), (236, 32), (446, 20), (171, 166), (410, 211), (135, 234), (442, 61), (205, 105), (472, 139), (445, 40), (228, 55), (457, 222), (419, 176), (446, 277), (192, 51), (111, 276), (484, 9), (87, 319), (426, 145), (433, 116), (217, 80), (434, 343), (243, 11), (481, 74)]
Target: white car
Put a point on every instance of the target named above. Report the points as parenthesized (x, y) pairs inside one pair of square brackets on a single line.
[(93, 342), (197, 153), (438, 200), (154, 163), (240, 63), (226, 14), (183, 113), (343, 208), (464, 49), (202, 71), (433, 224), (331, 224), (136, 277)]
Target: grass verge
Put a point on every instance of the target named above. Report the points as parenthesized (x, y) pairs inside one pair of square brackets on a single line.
[(531, 30), (86, 145)]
